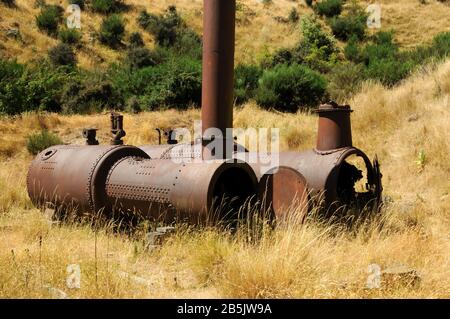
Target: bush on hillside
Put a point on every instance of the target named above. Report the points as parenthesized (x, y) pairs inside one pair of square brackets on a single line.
[(89, 94), (69, 36), (11, 94), (314, 36), (38, 142), (171, 31), (352, 51), (317, 49), (147, 21), (105, 6), (62, 54), (49, 18), (329, 8), (290, 87), (139, 57), (25, 88), (136, 40), (352, 23), (174, 83), (389, 71), (165, 27), (246, 79), (112, 31)]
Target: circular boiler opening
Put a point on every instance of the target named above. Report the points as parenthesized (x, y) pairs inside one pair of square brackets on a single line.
[(352, 188), (233, 188)]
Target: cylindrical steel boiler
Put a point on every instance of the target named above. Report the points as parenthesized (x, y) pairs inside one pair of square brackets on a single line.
[(196, 191), (74, 175)]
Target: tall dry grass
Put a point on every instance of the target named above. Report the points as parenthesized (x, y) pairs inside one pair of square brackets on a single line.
[(317, 259)]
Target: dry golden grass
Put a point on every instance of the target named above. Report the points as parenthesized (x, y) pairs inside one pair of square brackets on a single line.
[(316, 259), (257, 33)]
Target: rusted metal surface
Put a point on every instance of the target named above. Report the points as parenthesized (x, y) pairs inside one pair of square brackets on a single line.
[(157, 181), (330, 175), (284, 190), (161, 188), (117, 130), (182, 150), (90, 134), (218, 65), (334, 127), (74, 176)]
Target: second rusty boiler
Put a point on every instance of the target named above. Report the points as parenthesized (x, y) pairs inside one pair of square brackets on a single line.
[(327, 168)]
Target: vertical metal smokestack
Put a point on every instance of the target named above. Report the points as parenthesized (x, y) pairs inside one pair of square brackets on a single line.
[(335, 130), (218, 65)]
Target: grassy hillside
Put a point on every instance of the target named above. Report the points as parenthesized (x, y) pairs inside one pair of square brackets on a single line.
[(312, 260), (258, 29)]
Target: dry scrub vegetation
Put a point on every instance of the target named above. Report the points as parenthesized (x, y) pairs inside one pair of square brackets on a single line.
[(258, 32), (317, 259)]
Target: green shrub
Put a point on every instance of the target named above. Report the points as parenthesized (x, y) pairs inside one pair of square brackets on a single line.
[(329, 8), (136, 40), (49, 18), (11, 93), (317, 49), (352, 51), (105, 6), (246, 79), (167, 28), (88, 94), (188, 43), (133, 105), (24, 88), (147, 21), (315, 37), (438, 49), (383, 60), (174, 83), (80, 3), (69, 36), (344, 80), (38, 142), (62, 54), (290, 87), (353, 23), (139, 57), (440, 46), (170, 31), (112, 31), (283, 56), (389, 71)]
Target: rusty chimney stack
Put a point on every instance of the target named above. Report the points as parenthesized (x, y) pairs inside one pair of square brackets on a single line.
[(334, 127), (218, 65)]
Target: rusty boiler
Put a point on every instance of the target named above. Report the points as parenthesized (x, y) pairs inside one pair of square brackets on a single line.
[(194, 181)]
